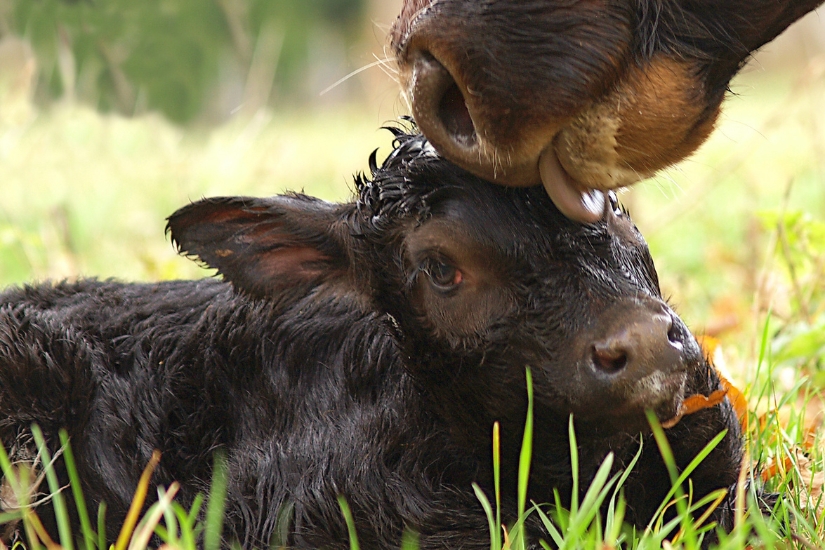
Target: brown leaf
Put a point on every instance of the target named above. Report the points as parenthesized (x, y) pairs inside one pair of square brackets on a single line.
[(737, 400), (694, 404)]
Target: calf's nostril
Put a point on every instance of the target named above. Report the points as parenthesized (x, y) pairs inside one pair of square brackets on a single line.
[(674, 334), (609, 359)]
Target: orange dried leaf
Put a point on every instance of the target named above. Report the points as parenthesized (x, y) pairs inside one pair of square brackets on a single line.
[(737, 400), (694, 404), (709, 346)]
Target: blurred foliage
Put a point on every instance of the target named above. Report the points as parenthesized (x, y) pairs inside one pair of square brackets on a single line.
[(170, 55), (85, 194), (800, 247)]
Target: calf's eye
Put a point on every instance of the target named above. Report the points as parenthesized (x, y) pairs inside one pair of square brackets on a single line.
[(443, 276)]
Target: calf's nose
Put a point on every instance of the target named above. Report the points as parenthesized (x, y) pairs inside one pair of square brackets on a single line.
[(638, 343)]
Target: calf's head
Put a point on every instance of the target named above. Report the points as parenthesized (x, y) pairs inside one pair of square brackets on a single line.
[(476, 282), (568, 92)]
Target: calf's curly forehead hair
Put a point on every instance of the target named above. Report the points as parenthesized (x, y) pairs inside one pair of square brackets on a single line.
[(414, 180), (400, 187)]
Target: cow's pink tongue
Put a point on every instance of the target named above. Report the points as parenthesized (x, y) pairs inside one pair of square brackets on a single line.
[(575, 201)]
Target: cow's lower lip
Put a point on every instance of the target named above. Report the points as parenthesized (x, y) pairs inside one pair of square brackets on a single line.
[(573, 199)]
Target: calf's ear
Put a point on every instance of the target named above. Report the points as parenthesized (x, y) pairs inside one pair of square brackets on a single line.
[(263, 246)]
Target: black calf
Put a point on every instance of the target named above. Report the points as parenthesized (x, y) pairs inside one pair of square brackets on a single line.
[(365, 349)]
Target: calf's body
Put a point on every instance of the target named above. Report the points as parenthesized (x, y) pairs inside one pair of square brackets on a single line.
[(365, 350)]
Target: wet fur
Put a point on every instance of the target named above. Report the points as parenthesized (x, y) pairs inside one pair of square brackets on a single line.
[(335, 383)]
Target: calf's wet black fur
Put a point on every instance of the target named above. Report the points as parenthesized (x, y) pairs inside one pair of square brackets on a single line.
[(365, 349)]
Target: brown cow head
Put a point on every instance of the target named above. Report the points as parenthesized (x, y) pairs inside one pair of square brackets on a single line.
[(578, 94)]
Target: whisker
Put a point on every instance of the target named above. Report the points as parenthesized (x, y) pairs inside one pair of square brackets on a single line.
[(390, 69), (353, 73), (389, 60)]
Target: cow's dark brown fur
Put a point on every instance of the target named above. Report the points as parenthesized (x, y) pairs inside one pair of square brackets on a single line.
[(577, 93)]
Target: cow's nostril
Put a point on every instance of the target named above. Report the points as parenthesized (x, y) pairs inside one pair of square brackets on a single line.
[(609, 360), (439, 106), (454, 115)]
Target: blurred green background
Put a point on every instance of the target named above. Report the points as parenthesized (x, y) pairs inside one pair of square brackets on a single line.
[(113, 113)]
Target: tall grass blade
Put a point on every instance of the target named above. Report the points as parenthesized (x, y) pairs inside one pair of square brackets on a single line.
[(616, 508), (196, 508), (61, 514), (615, 521), (353, 536), (77, 493), (32, 521), (712, 500), (217, 503), (552, 530), (174, 515), (150, 520), (574, 466), (488, 511), (137, 503), (678, 480), (591, 504), (8, 471), (280, 537), (170, 521), (525, 458), (664, 448), (496, 538), (16, 485), (190, 528), (6, 517), (101, 526), (763, 343), (409, 540)]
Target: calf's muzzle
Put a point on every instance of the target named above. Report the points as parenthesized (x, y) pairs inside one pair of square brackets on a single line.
[(636, 359)]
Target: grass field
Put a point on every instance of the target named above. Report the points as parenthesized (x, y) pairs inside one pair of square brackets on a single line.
[(737, 231)]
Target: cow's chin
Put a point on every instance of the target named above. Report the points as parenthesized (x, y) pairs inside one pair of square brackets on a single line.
[(583, 159), (600, 144)]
